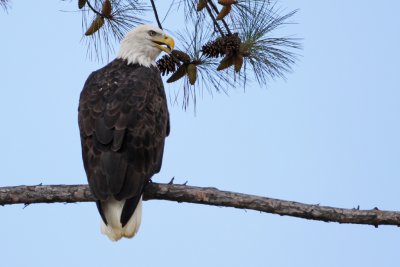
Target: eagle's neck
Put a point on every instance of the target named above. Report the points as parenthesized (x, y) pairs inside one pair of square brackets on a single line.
[(136, 53)]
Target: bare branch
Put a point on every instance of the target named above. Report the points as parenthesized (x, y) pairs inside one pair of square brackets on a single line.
[(204, 195), (214, 20), (93, 9), (156, 14), (223, 20)]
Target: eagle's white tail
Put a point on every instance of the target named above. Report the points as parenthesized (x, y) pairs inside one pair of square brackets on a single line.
[(112, 210)]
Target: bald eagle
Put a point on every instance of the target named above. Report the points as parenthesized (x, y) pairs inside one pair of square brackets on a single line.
[(123, 121)]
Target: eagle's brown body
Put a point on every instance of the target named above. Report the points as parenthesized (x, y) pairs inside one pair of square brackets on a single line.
[(123, 122)]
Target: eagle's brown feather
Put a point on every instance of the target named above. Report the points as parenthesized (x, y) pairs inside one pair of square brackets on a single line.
[(123, 121)]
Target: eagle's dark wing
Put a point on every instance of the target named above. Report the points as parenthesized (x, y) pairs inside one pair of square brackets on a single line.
[(123, 122)]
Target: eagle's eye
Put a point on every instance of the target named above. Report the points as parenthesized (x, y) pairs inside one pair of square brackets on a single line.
[(152, 33)]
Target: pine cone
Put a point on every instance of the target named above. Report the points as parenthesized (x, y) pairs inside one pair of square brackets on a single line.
[(214, 48), (192, 73), (201, 4), (227, 45), (81, 3), (181, 56), (167, 64), (97, 23), (106, 9), (224, 12), (227, 2), (232, 43)]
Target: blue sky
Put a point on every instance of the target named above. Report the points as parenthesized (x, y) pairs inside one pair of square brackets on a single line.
[(329, 134)]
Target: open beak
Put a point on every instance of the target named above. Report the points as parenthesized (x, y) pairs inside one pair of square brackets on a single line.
[(164, 43)]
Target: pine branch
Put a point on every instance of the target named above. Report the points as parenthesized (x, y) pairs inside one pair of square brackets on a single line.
[(204, 195), (214, 20), (93, 9), (156, 14), (214, 7)]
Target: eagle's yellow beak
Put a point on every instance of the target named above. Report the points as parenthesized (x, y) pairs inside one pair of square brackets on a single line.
[(164, 40)]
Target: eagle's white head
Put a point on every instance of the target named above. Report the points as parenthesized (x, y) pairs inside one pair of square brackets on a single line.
[(144, 44)]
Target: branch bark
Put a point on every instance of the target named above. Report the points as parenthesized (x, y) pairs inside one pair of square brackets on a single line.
[(204, 195)]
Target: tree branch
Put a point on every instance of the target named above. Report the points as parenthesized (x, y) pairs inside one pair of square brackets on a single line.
[(204, 195), (223, 20), (93, 9), (156, 14), (214, 20)]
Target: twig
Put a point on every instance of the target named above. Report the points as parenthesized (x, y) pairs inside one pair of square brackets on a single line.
[(204, 195), (93, 9), (214, 20), (156, 14), (223, 20)]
